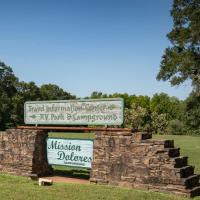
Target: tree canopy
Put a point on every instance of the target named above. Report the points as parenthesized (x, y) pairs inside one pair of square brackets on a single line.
[(54, 92), (8, 89), (181, 61)]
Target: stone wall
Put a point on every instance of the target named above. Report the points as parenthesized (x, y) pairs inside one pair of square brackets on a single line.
[(23, 152), (119, 158), (137, 161)]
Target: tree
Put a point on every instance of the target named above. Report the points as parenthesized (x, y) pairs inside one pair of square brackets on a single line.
[(127, 98), (137, 117), (54, 92), (159, 122), (167, 114), (7, 91), (164, 104), (175, 127), (192, 112), (142, 101), (25, 92), (181, 61), (98, 95), (7, 80)]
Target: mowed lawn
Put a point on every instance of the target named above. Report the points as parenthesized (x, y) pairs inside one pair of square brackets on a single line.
[(21, 188)]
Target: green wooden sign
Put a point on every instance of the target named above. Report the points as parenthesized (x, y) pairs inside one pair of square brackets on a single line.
[(70, 152), (75, 112)]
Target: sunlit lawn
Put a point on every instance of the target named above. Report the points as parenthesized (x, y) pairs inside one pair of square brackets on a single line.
[(20, 188)]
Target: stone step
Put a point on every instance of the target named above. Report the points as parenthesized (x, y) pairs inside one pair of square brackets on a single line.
[(169, 144), (195, 191), (141, 136), (177, 173), (180, 161), (173, 152), (186, 171), (182, 191), (191, 181), (163, 143)]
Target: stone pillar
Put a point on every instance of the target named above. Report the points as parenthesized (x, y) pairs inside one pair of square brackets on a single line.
[(137, 161), (23, 152)]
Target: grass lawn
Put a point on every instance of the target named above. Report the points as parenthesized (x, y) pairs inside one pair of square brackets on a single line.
[(20, 188)]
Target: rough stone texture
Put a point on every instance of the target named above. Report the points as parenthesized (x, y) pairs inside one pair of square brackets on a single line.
[(137, 161), (23, 152)]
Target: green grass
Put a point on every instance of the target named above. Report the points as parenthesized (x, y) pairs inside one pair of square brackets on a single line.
[(73, 172), (20, 188)]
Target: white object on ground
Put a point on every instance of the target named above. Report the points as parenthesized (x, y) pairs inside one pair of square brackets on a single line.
[(44, 181)]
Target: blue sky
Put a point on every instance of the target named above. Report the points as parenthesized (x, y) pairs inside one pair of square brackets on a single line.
[(88, 45)]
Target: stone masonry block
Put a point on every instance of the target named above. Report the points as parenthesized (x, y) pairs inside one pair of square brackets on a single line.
[(135, 160)]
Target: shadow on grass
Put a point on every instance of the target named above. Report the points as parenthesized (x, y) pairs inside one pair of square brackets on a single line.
[(72, 173)]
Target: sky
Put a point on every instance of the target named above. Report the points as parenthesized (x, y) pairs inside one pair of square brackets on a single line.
[(88, 45)]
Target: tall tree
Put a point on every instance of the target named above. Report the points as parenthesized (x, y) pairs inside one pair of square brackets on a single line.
[(54, 92), (98, 95), (7, 91), (181, 61), (137, 117), (193, 112), (166, 114), (25, 92), (7, 80), (164, 104)]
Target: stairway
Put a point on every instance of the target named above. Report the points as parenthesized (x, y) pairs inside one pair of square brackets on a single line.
[(135, 160), (176, 175)]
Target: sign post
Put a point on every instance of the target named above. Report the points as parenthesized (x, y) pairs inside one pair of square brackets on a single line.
[(75, 112), (73, 152)]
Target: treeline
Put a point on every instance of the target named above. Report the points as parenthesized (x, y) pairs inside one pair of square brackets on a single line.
[(161, 114)]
